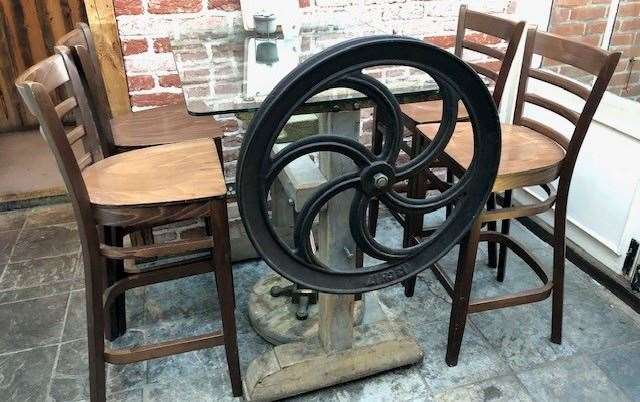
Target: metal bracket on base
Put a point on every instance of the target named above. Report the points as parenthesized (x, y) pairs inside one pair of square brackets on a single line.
[(274, 317), (300, 296)]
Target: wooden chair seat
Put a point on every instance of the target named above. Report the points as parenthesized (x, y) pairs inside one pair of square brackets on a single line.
[(527, 157), (428, 112), (163, 125), (179, 172)]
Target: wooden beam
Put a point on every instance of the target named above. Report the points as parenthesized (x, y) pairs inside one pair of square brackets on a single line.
[(102, 20)]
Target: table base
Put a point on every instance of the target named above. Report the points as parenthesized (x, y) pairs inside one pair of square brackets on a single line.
[(300, 367)]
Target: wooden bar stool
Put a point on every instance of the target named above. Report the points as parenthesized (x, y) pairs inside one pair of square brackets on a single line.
[(130, 191), (485, 27), (162, 125), (533, 154), (491, 28)]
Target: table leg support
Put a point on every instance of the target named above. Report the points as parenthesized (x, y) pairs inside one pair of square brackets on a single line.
[(341, 352)]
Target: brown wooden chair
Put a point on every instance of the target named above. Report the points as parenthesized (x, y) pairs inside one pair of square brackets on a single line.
[(504, 33), (162, 125), (133, 190), (533, 154), (490, 27)]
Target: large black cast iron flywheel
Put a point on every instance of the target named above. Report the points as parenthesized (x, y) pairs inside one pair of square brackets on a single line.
[(342, 66)]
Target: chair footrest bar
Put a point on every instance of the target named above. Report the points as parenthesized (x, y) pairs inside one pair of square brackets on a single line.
[(519, 211), (443, 278), (162, 349), (512, 299), (156, 250)]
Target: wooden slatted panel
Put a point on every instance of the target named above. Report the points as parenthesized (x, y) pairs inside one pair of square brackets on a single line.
[(66, 106), (492, 75), (553, 107), (479, 48), (74, 135), (85, 160), (546, 130), (28, 32), (568, 85)]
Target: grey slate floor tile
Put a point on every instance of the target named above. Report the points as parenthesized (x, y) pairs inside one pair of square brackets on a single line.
[(13, 220), (70, 379), (573, 379), (32, 323), (478, 360), (499, 389), (588, 312), (44, 271), (506, 354), (49, 215), (7, 242), (75, 326), (210, 389), (521, 335), (24, 376), (46, 241), (34, 292), (403, 384), (621, 366)]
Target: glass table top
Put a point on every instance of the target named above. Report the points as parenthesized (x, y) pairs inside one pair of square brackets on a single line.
[(231, 71)]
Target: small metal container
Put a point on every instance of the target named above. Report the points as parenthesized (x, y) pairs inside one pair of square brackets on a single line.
[(265, 23)]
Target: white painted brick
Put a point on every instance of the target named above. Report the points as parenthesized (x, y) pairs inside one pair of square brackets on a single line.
[(149, 62)]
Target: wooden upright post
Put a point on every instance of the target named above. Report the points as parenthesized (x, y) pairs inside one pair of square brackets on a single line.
[(102, 21)]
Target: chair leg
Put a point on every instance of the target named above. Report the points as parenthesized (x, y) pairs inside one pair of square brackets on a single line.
[(559, 251), (224, 284), (462, 292), (504, 228), (413, 222), (450, 180), (492, 247), (116, 320), (94, 285)]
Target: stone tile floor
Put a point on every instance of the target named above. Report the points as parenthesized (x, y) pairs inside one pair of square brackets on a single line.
[(505, 356)]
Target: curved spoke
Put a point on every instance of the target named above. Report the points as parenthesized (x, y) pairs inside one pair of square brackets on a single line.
[(352, 149), (387, 105), (407, 205), (312, 207), (361, 233), (439, 143)]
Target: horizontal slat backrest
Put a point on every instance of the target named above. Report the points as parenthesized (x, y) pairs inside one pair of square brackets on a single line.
[(493, 29), (77, 147), (587, 58), (80, 41)]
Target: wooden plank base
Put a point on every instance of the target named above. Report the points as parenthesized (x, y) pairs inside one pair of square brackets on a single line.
[(300, 367)]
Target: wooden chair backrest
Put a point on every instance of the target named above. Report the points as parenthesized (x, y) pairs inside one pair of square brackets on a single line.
[(590, 59), (76, 147), (500, 29), (80, 41)]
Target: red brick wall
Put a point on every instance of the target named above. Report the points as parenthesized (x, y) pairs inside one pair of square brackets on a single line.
[(586, 20), (626, 39)]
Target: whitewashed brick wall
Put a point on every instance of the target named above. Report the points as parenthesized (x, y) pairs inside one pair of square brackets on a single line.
[(145, 27)]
